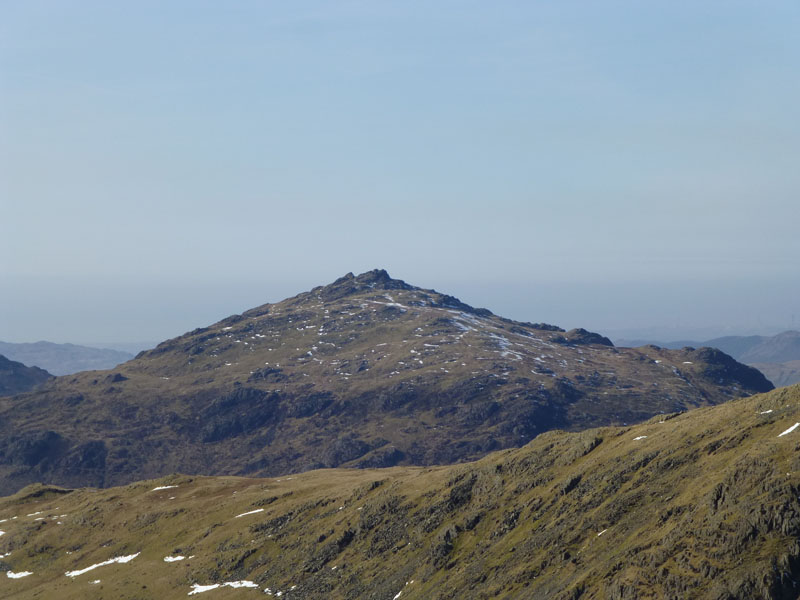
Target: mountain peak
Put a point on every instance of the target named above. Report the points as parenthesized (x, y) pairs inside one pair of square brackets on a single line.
[(352, 284), (374, 276)]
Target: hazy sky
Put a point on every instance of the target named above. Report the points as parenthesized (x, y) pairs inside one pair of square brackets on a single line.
[(621, 166)]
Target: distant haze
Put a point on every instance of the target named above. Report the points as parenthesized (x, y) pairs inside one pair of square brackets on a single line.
[(626, 167)]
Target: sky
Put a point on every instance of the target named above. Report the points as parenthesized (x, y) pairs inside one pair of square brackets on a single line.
[(628, 167)]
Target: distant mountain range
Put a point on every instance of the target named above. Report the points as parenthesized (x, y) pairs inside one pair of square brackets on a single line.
[(700, 505), (368, 371), (777, 356), (63, 359), (16, 378)]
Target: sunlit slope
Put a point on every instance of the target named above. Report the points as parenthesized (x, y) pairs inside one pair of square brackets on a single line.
[(699, 505)]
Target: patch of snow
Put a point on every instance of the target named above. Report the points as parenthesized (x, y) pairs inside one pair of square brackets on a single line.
[(602, 532), (95, 582), (252, 512), (641, 437), (765, 412), (110, 561), (199, 589), (240, 584), (790, 430), (169, 559), (12, 575), (462, 326), (163, 487)]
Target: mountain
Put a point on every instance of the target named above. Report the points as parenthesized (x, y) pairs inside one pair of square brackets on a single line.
[(368, 371), (64, 359), (776, 356), (779, 348), (703, 504), (781, 374), (16, 378)]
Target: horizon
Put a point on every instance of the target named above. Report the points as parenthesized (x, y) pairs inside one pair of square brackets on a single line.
[(513, 309), (623, 168)]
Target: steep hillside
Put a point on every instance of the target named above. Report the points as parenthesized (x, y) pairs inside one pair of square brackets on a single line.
[(704, 504), (63, 359), (16, 378), (368, 371)]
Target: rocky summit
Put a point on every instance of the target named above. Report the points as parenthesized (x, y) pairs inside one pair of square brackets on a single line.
[(699, 505), (368, 371)]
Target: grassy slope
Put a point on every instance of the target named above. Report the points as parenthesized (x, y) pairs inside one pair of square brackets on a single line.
[(705, 506)]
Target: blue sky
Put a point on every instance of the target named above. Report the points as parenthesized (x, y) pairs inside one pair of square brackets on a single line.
[(622, 166)]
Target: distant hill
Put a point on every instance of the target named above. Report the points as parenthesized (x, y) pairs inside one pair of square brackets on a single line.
[(16, 378), (780, 348), (781, 374), (700, 505), (367, 371), (676, 345), (63, 359), (776, 356)]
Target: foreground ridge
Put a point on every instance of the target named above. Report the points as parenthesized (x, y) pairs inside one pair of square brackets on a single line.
[(702, 504)]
